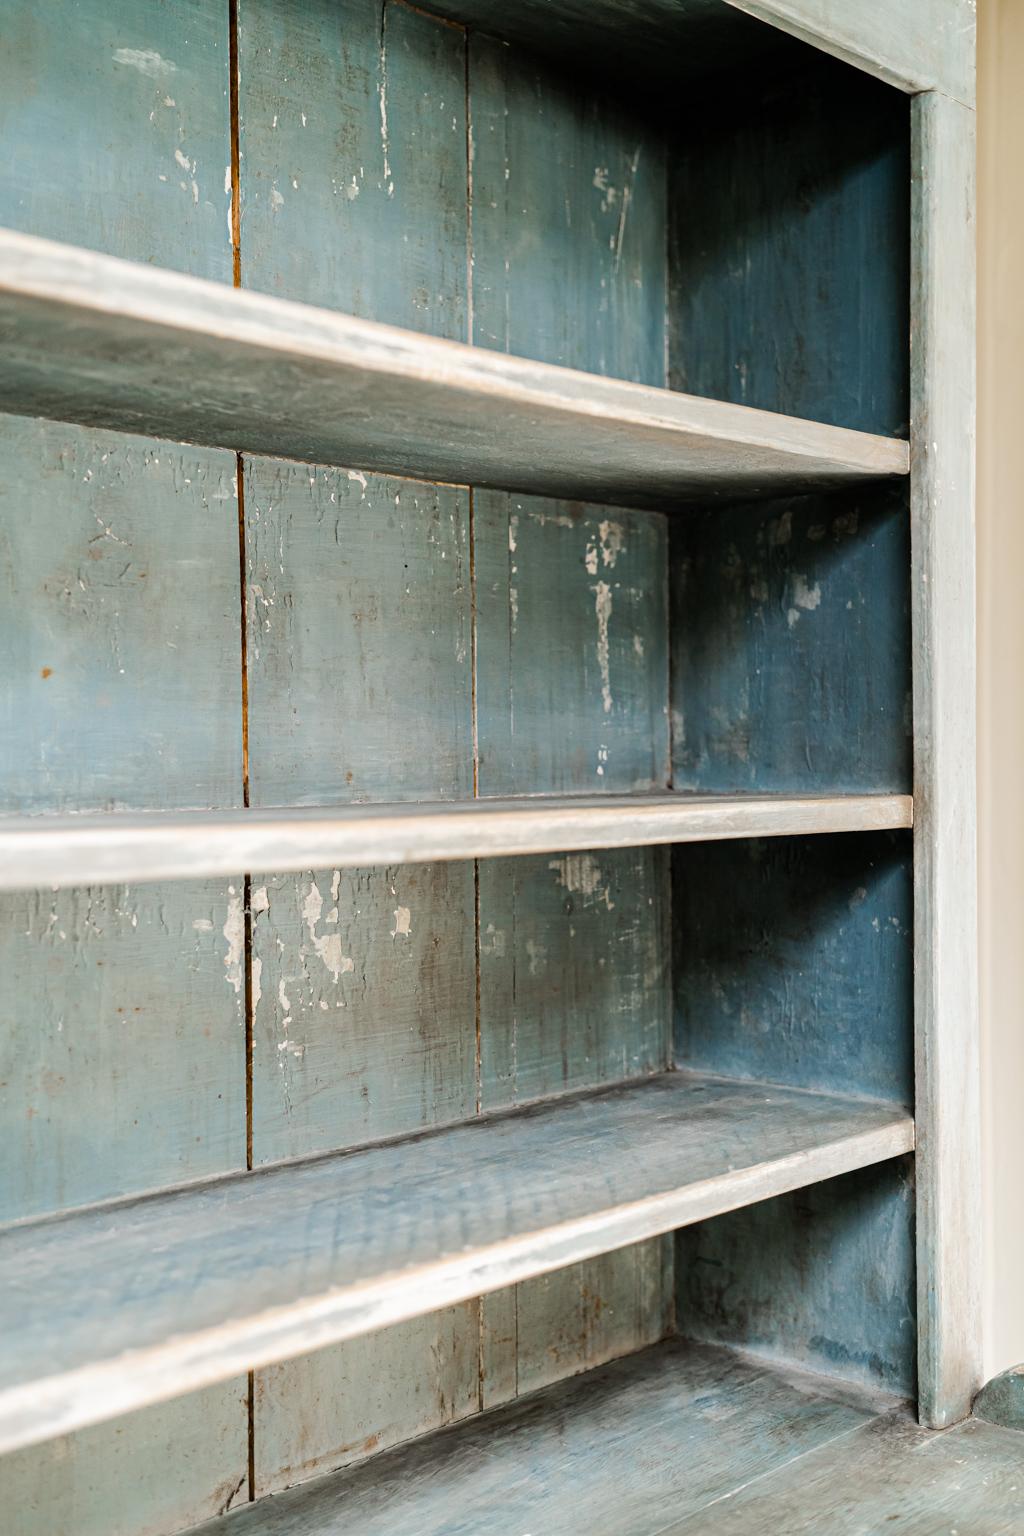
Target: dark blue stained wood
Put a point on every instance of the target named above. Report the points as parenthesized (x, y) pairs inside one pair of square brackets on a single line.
[(119, 639), (121, 1040), (568, 219), (359, 613), (637, 47), (574, 984), (354, 159), (793, 962), (364, 1005), (123, 1033), (791, 667), (790, 250), (572, 646), (148, 1474), (823, 1278), (116, 119)]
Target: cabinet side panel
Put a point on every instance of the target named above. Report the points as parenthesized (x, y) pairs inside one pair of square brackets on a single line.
[(791, 649), (942, 509), (824, 1278), (789, 250)]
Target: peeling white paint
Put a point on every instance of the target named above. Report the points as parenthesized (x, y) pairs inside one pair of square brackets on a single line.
[(234, 933), (580, 873), (146, 60), (805, 596), (603, 608), (590, 559), (202, 924), (183, 160), (612, 545), (403, 918), (327, 946), (257, 977), (259, 901), (358, 476)]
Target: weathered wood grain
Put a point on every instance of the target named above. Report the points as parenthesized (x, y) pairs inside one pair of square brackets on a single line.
[(631, 1448), (572, 647), (823, 1277), (359, 613), (110, 548), (574, 973), (105, 343), (122, 1047), (354, 160), (353, 195), (364, 1006), (123, 1038), (942, 518), (886, 1475), (371, 1237), (161, 1469), (793, 962), (342, 1405), (117, 118)]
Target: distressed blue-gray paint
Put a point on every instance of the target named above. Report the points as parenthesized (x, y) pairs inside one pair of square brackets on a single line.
[(354, 159), (123, 1035), (793, 962), (791, 666), (790, 251), (824, 1277)]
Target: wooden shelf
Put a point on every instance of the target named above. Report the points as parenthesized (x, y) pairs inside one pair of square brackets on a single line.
[(112, 1307), (680, 1440), (91, 339), (41, 851)]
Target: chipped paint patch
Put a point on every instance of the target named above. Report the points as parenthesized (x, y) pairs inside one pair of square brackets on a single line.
[(327, 947), (580, 873), (403, 917), (234, 933), (146, 60), (603, 608)]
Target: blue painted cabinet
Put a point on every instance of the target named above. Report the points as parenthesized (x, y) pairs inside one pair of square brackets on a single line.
[(672, 201)]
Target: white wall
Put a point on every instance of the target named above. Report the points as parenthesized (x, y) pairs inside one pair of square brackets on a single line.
[(1001, 666)]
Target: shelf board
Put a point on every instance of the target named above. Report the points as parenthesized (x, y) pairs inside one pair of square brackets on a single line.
[(107, 343), (680, 1440), (41, 851), (106, 1309)]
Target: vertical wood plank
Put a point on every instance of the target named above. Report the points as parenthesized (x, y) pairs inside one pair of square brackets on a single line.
[(354, 163), (340, 1406), (568, 219), (572, 642), (359, 615), (942, 513), (149, 1474), (363, 1017), (124, 1056), (354, 186), (119, 112)]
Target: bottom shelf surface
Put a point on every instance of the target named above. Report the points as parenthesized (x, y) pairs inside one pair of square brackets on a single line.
[(680, 1439)]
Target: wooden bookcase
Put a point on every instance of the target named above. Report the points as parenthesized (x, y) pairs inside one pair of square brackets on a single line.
[(487, 863)]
